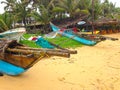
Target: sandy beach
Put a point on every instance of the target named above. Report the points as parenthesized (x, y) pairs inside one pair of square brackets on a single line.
[(93, 68)]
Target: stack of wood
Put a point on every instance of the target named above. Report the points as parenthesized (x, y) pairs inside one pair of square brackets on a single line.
[(25, 57)]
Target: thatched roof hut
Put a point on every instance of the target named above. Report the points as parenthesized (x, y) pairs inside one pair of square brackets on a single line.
[(69, 21), (105, 21)]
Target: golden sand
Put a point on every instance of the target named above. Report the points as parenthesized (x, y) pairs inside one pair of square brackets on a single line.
[(93, 68)]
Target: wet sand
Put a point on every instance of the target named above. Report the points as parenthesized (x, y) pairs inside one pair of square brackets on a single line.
[(93, 68)]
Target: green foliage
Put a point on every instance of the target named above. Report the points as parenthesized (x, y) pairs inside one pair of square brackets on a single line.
[(43, 15), (85, 12), (69, 6), (46, 10), (5, 21), (58, 9), (108, 9), (84, 4), (117, 13), (18, 8)]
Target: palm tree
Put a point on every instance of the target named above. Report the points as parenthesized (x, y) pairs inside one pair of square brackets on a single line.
[(43, 15), (84, 4), (19, 9), (108, 8), (117, 13), (70, 6), (22, 10), (96, 9), (5, 22), (10, 4)]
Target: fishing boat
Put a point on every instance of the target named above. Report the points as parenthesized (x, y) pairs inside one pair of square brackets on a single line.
[(16, 58), (13, 34), (72, 36)]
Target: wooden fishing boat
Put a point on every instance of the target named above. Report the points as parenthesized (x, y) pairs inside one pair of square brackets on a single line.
[(13, 34), (16, 58), (73, 36)]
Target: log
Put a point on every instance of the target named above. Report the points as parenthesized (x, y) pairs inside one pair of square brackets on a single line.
[(53, 50), (34, 52)]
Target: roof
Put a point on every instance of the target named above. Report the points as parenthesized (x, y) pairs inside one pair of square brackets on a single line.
[(105, 21), (69, 21)]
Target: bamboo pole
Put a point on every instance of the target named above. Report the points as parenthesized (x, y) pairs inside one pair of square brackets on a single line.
[(34, 52)]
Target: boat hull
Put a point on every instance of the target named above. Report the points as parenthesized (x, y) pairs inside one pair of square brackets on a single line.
[(10, 69), (14, 61), (24, 61), (79, 39), (73, 36), (13, 34)]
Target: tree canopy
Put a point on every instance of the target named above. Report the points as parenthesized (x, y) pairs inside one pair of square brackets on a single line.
[(44, 11)]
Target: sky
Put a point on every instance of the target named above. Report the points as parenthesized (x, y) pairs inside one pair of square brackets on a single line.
[(117, 2), (2, 7)]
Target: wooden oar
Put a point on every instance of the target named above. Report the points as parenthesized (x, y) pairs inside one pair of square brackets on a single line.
[(35, 52)]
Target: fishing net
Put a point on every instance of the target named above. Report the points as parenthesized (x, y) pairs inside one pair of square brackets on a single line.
[(44, 43)]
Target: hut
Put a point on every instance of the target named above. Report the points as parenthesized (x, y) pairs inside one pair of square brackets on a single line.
[(104, 25)]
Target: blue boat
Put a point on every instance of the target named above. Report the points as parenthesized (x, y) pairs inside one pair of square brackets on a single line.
[(72, 36), (16, 58), (10, 69)]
